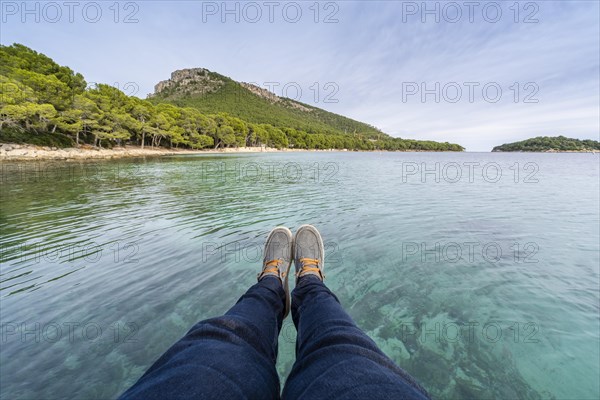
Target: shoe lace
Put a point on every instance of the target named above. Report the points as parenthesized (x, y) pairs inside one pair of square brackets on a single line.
[(272, 267), (309, 265)]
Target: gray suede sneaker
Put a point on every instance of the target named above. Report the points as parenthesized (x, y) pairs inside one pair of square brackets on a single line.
[(278, 259), (309, 252)]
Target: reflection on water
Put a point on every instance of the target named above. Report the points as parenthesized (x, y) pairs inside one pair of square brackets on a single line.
[(477, 273)]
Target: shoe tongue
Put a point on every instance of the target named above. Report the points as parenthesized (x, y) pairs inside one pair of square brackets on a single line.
[(309, 262)]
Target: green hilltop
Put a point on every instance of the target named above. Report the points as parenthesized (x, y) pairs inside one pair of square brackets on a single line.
[(211, 92), (44, 103), (550, 144)]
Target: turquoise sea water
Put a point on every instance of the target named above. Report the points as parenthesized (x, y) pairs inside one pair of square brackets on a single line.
[(478, 273)]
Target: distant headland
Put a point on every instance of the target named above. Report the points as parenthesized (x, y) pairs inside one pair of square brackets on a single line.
[(548, 144)]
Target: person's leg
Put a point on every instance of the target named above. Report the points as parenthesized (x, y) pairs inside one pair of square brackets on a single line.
[(232, 356), (229, 357), (334, 358)]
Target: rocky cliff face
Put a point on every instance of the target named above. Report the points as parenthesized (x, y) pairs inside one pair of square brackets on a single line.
[(189, 81), (264, 93), (200, 81), (272, 97)]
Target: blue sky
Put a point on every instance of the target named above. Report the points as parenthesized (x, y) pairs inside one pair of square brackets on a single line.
[(379, 57)]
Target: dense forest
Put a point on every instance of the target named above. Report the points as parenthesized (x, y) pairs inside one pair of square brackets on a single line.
[(44, 103), (545, 143)]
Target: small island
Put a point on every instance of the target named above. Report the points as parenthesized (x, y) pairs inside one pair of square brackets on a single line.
[(546, 144)]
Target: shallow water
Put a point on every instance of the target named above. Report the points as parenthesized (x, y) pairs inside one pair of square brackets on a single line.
[(478, 273)]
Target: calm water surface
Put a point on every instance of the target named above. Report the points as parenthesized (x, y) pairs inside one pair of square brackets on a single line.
[(477, 273)]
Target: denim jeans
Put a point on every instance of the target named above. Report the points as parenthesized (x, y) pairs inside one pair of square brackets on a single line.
[(233, 356)]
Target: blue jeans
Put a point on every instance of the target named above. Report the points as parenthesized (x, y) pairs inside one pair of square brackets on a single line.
[(233, 356)]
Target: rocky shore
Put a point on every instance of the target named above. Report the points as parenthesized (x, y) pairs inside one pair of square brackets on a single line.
[(23, 152)]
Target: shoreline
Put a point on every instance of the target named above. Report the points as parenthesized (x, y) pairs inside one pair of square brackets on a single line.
[(28, 152), (548, 151)]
